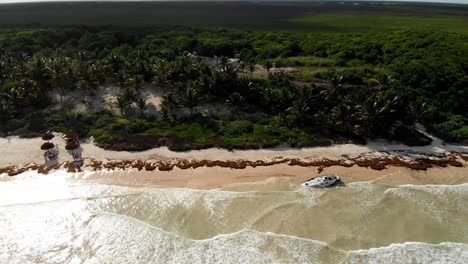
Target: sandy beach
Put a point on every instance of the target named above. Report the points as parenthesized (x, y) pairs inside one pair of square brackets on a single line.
[(380, 162), (240, 206)]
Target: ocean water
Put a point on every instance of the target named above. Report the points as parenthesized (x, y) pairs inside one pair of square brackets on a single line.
[(57, 219)]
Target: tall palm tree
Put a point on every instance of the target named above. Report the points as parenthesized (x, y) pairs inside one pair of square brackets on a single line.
[(224, 63), (417, 110), (6, 113), (335, 86), (14, 94), (168, 103), (38, 70), (251, 68), (122, 103), (376, 109), (301, 106), (141, 104), (162, 71), (235, 100), (382, 81), (192, 96), (268, 65), (38, 95), (344, 118), (60, 78)]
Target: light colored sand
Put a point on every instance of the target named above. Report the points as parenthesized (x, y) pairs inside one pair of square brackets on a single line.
[(16, 151), (106, 98)]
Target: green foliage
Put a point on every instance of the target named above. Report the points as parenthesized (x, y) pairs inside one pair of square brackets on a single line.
[(237, 128), (350, 86), (135, 126), (461, 134), (299, 61), (189, 131), (455, 129), (373, 22)]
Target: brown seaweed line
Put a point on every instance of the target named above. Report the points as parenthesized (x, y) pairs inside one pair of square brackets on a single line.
[(375, 163)]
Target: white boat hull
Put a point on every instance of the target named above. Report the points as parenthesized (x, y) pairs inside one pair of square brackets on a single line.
[(322, 181)]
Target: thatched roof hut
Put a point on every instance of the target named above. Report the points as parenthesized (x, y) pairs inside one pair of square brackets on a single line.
[(48, 136), (47, 146), (72, 146), (71, 135)]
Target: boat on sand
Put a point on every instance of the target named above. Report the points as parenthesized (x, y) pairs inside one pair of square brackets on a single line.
[(322, 181)]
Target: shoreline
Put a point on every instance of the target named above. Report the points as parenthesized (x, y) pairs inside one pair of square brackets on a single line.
[(206, 178), (217, 168), (374, 161)]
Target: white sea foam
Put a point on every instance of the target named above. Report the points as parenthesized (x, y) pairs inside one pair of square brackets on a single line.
[(412, 252), (51, 220), (435, 200), (113, 234)]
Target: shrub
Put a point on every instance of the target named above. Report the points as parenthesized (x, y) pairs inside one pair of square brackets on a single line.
[(103, 138), (136, 126), (313, 142), (452, 130), (102, 121), (461, 134), (136, 147), (237, 128), (271, 143), (96, 132), (175, 146), (190, 131), (231, 143)]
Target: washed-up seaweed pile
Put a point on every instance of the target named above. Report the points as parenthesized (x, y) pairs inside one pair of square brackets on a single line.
[(373, 160)]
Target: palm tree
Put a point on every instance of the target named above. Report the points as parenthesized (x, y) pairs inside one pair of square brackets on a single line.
[(168, 103), (242, 66), (38, 71), (6, 113), (267, 97), (141, 104), (334, 88), (301, 106), (375, 110), (343, 118), (14, 93), (236, 100), (129, 94), (224, 63), (251, 68), (382, 81), (417, 110), (38, 95), (192, 96), (86, 87), (268, 65), (122, 103), (115, 62), (59, 76), (162, 73)]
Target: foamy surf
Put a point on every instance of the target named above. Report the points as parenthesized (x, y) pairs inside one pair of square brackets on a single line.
[(411, 252), (55, 220)]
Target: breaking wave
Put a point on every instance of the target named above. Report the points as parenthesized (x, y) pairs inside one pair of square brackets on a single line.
[(278, 222)]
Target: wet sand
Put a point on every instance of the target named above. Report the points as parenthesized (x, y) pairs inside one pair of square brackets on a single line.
[(212, 178), (400, 204)]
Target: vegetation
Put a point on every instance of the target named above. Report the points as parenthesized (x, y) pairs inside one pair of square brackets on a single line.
[(308, 16), (373, 22), (348, 87)]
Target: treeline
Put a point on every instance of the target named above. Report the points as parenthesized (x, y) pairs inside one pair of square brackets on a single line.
[(376, 85)]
